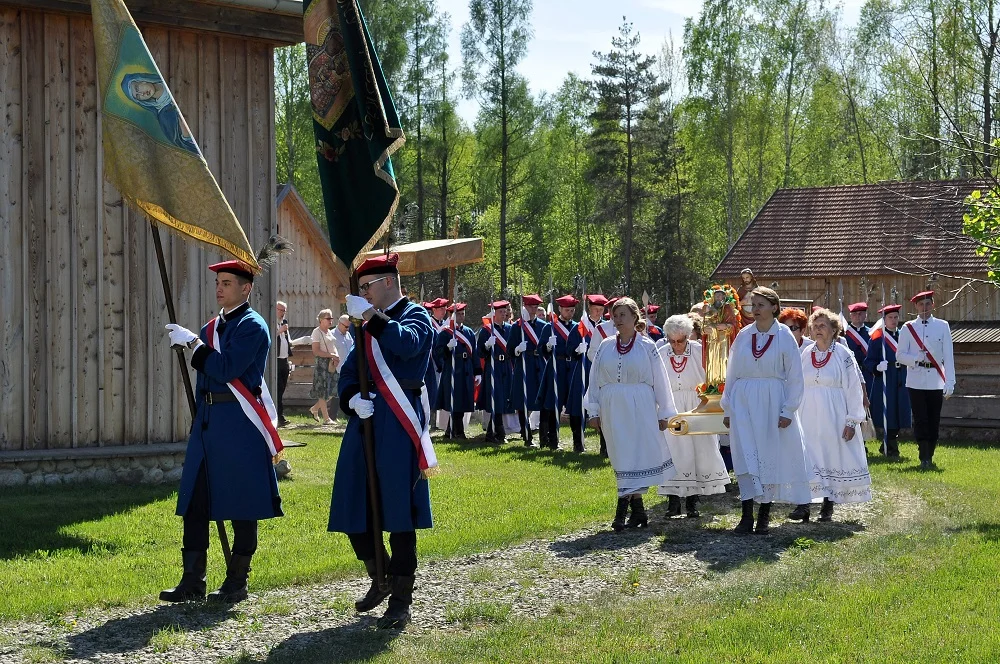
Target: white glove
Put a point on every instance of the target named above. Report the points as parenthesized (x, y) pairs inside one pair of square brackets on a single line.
[(357, 306), (948, 391), (479, 380), (882, 367), (453, 344), (582, 348), (521, 347), (551, 343), (490, 342), (180, 336), (365, 408)]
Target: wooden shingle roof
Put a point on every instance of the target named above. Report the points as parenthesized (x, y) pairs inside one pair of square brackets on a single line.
[(858, 229)]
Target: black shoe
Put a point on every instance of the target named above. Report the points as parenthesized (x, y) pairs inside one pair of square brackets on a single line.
[(620, 511), (234, 588), (691, 506), (637, 518), (397, 614), (925, 464), (282, 422), (604, 446), (674, 506), (192, 586), (826, 511), (375, 595), (763, 519), (745, 526), (800, 513)]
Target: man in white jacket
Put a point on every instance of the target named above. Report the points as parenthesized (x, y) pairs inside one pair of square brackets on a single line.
[(925, 347)]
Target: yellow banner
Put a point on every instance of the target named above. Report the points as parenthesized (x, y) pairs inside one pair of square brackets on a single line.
[(149, 152)]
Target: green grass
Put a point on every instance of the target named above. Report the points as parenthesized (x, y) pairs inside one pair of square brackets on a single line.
[(169, 637), (72, 547)]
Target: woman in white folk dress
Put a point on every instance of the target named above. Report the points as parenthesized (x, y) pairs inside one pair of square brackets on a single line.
[(832, 409), (629, 400), (762, 396), (700, 470)]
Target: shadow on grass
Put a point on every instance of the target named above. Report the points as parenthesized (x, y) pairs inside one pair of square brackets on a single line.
[(989, 531), (355, 642), (133, 633), (31, 518), (515, 449)]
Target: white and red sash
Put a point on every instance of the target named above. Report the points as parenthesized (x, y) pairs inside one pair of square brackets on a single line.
[(499, 337), (933, 360), (559, 327), (436, 325), (526, 328), (853, 335), (889, 341), (260, 411), (457, 333), (388, 386)]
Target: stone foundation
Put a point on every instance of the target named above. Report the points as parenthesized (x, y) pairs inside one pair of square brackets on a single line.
[(137, 464)]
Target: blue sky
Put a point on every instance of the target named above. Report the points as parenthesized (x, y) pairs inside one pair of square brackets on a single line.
[(567, 32)]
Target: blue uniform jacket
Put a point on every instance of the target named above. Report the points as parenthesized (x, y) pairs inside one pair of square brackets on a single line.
[(898, 414), (859, 355), (563, 370), (405, 336), (498, 373), (528, 368), (241, 480), (464, 373), (654, 332)]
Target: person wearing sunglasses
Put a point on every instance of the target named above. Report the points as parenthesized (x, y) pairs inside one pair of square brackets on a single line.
[(397, 337), (796, 321)]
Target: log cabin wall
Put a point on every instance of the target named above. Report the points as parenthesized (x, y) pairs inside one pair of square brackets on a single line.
[(310, 278), (85, 361), (975, 302)]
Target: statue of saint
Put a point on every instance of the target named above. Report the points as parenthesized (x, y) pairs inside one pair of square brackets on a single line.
[(721, 324), (743, 295)]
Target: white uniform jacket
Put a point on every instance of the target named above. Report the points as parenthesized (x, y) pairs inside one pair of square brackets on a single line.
[(936, 337)]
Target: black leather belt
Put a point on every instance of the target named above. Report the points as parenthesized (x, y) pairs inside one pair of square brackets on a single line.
[(560, 356), (410, 384), (465, 356), (212, 398), (925, 365), (501, 357)]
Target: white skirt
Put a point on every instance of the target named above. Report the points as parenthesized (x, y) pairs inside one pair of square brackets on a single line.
[(700, 470), (637, 448), (842, 465)]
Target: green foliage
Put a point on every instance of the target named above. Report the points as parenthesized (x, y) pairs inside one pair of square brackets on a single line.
[(982, 224)]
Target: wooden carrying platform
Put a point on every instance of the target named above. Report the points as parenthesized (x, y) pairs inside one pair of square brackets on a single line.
[(430, 255)]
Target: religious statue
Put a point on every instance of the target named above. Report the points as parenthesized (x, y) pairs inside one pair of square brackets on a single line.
[(721, 324), (743, 295)]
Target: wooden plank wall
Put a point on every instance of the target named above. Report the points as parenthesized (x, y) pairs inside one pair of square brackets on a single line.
[(977, 302), (305, 281), (84, 361)]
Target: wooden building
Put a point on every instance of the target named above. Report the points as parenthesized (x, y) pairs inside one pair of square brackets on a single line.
[(85, 369), (882, 243)]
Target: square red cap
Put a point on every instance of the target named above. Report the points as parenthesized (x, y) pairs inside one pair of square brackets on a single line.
[(857, 306), (652, 308), (379, 265), (439, 303), (928, 294), (531, 300), (889, 308), (458, 306), (233, 267), (500, 304), (567, 301), (597, 299)]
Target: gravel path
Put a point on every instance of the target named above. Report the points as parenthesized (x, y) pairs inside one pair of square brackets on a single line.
[(532, 579)]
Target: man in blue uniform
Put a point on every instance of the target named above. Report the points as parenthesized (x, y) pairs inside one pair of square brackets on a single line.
[(528, 364), (889, 387), (562, 384), (594, 332), (398, 339), (437, 309), (654, 332), (228, 473), (455, 352), (858, 338), (498, 374)]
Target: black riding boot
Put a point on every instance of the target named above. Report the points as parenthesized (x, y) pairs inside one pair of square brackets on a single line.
[(553, 430), (620, 511), (638, 518), (674, 506), (397, 614), (745, 526), (604, 446), (234, 588), (763, 519), (374, 596), (691, 506), (826, 511), (576, 424), (458, 426), (501, 434), (800, 513), (543, 430), (192, 585)]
